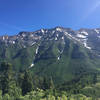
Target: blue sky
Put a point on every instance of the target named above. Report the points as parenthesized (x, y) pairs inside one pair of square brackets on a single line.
[(31, 15)]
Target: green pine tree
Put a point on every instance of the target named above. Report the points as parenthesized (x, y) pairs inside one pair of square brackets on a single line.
[(52, 84), (27, 84), (6, 77)]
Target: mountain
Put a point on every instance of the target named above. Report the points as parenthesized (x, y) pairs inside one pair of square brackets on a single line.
[(61, 53)]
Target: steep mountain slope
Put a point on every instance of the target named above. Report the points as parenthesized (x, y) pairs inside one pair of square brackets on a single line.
[(64, 58), (60, 53)]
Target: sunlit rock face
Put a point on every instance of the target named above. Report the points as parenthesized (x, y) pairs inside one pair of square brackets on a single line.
[(90, 38)]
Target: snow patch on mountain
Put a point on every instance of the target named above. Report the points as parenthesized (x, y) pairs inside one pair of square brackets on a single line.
[(23, 35), (58, 58), (13, 42), (46, 31), (71, 37), (24, 46), (97, 31), (81, 36), (61, 51), (37, 50), (53, 32), (31, 35), (63, 38), (98, 36), (85, 45), (66, 33), (84, 32), (57, 35), (32, 65), (59, 29), (33, 43), (42, 30), (56, 38)]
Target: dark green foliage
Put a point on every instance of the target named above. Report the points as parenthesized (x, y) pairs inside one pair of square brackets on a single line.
[(45, 84), (6, 77), (17, 55), (6, 67), (52, 84), (76, 53), (27, 84), (44, 87)]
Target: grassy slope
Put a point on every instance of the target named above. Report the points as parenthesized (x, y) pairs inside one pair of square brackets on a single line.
[(21, 58), (74, 62)]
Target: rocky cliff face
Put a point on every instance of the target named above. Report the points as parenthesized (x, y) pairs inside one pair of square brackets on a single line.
[(90, 38)]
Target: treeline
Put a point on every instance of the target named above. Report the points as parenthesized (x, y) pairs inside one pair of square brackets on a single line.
[(22, 86)]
